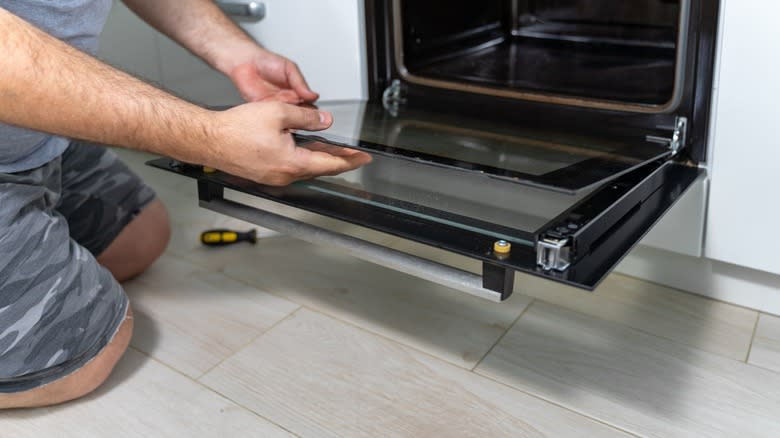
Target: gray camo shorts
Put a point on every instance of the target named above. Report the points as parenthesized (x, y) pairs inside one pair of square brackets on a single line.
[(58, 307)]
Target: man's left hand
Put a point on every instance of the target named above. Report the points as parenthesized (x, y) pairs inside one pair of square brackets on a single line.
[(262, 75)]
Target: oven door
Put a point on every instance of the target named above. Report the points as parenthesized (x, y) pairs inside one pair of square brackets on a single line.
[(561, 206)]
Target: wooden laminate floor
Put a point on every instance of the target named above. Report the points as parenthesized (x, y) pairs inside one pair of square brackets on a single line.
[(287, 338)]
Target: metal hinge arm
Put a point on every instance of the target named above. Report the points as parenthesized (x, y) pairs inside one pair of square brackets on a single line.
[(679, 136)]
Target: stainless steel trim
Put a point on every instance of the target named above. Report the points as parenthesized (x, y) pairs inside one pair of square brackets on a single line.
[(244, 9), (665, 108), (448, 276), (553, 254)]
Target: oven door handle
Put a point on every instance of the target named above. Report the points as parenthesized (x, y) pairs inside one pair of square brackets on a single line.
[(448, 276), (250, 10)]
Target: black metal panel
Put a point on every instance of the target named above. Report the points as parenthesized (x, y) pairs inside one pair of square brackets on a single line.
[(623, 236)]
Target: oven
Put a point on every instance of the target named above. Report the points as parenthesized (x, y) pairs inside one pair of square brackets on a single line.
[(545, 137)]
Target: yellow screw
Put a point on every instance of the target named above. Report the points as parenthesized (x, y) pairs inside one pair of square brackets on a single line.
[(209, 169), (502, 247)]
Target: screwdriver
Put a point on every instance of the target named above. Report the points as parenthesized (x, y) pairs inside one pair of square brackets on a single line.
[(222, 237)]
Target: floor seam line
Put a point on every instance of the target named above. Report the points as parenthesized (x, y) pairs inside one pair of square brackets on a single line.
[(554, 403), (212, 390), (446, 362), (753, 338), (239, 349), (643, 331), (534, 299), (381, 336), (503, 335)]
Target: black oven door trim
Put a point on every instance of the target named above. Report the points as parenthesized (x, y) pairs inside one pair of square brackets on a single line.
[(609, 222)]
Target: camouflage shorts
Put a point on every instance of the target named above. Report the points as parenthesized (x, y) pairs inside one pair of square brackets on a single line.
[(58, 306)]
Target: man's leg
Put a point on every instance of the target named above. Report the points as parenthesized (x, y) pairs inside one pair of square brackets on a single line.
[(64, 320), (111, 211), (80, 382), (139, 244)]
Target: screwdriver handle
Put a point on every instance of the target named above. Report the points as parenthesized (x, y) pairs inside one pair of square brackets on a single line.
[(223, 237)]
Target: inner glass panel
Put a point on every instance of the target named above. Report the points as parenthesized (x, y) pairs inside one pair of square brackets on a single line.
[(553, 160), (470, 201), (614, 50)]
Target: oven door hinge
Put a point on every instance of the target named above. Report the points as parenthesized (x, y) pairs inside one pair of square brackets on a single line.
[(393, 97), (678, 138), (553, 254)]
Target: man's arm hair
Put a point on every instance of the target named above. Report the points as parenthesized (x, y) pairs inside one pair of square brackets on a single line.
[(198, 25), (47, 85)]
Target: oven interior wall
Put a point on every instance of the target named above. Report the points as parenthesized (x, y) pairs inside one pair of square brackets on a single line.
[(601, 49)]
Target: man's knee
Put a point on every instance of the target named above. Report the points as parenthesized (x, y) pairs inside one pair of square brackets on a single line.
[(81, 382), (140, 243)]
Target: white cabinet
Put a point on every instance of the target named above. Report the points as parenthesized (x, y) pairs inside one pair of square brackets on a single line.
[(744, 204), (324, 37)]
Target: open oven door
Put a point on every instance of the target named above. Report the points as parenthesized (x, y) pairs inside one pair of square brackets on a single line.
[(563, 206)]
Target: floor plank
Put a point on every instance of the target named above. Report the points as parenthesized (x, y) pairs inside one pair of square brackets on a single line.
[(692, 320), (637, 382), (142, 398), (191, 319), (316, 376), (766, 344), (446, 323)]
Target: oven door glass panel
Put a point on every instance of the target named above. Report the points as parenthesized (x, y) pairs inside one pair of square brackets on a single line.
[(469, 201), (550, 160)]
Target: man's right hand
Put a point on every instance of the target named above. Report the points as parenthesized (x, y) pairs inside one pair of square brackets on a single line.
[(254, 141)]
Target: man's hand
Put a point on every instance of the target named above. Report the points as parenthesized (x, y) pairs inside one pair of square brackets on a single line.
[(255, 143), (202, 28), (262, 75)]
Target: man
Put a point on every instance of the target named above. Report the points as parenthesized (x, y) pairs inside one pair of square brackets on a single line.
[(74, 220)]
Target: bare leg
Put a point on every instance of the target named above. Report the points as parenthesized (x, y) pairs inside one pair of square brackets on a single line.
[(80, 383), (139, 244)]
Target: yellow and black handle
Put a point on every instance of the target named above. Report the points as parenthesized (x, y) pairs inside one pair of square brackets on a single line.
[(220, 237)]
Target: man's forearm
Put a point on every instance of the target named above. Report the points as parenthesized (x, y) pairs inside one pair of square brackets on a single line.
[(198, 25), (49, 86)]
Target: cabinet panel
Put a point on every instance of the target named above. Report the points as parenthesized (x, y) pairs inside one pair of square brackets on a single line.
[(324, 37), (743, 208)]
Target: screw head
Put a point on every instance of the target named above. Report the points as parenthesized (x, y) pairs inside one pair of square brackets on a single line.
[(502, 247)]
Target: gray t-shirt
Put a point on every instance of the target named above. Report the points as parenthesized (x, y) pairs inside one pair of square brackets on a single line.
[(77, 22)]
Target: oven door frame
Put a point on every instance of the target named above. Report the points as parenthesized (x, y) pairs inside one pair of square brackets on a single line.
[(611, 221)]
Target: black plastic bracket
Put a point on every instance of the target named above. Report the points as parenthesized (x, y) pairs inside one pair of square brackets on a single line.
[(498, 278), (209, 191)]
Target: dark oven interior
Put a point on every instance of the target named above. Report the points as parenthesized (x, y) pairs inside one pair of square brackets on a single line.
[(609, 50)]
